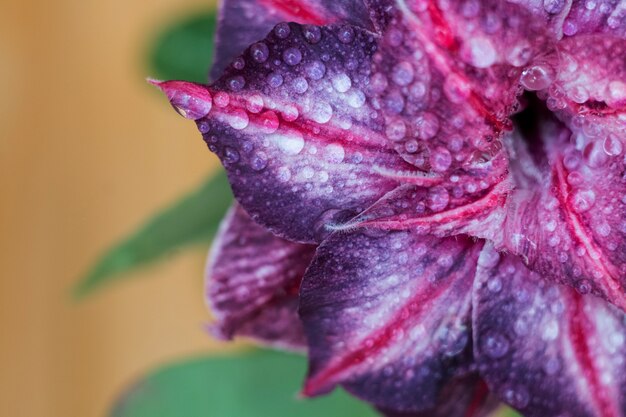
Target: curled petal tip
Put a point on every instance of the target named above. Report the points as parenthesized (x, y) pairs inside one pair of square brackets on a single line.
[(154, 81), (190, 100)]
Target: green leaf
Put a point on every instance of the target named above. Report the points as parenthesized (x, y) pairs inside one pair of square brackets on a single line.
[(258, 384), (193, 219), (184, 50)]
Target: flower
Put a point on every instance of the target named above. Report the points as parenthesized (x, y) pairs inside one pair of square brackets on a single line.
[(431, 197)]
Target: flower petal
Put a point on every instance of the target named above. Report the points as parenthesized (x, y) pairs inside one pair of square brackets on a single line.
[(302, 146), (462, 397), (579, 17), (386, 315), (545, 349), (243, 22), (568, 218), (252, 282), (446, 80)]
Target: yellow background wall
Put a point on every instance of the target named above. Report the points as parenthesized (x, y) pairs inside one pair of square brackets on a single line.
[(87, 151)]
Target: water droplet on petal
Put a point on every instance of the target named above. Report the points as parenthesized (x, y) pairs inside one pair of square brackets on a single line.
[(291, 142), (594, 154), (583, 200), (395, 130), (311, 33), (341, 82), (292, 56), (321, 112), (553, 6), (260, 52), (402, 74), (438, 198), (427, 126), (495, 345), (275, 80), (258, 161), (316, 70), (516, 396), (238, 119), (282, 30), (440, 159), (346, 34), (482, 53), (537, 77), (613, 145), (334, 153), (300, 85)]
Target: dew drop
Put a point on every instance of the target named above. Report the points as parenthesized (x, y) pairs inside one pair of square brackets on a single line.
[(438, 198), (583, 200), (334, 153), (395, 130), (254, 103), (346, 34), (311, 33), (613, 145), (495, 345), (231, 155), (583, 286), (269, 122), (283, 174), (537, 77), (221, 99), (260, 52), (482, 52), (259, 161), (292, 56), (427, 126), (238, 119), (520, 54), (440, 159), (321, 112), (315, 70), (282, 30), (594, 155), (402, 73), (275, 80), (290, 143), (236, 83), (553, 6), (456, 89), (300, 85), (516, 396), (341, 82), (356, 99)]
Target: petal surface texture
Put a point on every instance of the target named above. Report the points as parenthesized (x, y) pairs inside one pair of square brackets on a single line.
[(387, 316), (302, 146), (462, 397), (567, 217), (545, 349), (252, 283), (243, 22), (446, 79)]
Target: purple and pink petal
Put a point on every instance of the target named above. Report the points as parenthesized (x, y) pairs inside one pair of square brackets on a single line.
[(546, 349), (387, 316), (253, 279)]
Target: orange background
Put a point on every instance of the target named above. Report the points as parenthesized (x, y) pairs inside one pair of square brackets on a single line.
[(87, 151)]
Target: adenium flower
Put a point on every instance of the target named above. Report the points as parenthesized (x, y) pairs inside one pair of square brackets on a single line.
[(431, 197)]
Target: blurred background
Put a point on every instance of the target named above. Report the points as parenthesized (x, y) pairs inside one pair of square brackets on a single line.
[(88, 150)]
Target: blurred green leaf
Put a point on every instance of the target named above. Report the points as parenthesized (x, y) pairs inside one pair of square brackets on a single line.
[(257, 384), (184, 50), (193, 219)]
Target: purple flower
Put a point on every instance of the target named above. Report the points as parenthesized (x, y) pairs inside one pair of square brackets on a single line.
[(431, 197)]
